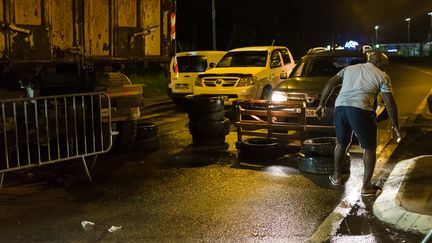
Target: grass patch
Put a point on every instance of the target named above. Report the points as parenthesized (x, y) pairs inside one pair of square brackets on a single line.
[(153, 77)]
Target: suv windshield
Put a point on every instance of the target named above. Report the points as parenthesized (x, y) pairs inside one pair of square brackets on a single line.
[(244, 59), (324, 66), (192, 64)]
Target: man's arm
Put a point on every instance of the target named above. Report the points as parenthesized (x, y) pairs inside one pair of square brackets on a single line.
[(328, 89), (392, 111)]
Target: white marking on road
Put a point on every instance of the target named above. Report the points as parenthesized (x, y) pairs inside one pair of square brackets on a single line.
[(420, 70)]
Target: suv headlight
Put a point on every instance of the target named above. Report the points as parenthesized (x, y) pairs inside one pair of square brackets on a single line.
[(199, 82), (279, 96), (246, 81)]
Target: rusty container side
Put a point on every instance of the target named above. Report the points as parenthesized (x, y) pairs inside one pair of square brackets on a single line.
[(27, 31), (3, 45), (58, 31), (63, 29)]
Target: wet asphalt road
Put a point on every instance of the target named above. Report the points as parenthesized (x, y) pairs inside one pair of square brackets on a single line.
[(179, 193)]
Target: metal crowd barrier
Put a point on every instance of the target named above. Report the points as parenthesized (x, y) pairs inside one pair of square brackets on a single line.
[(45, 130), (284, 120)]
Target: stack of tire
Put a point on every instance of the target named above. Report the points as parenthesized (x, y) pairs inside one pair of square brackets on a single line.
[(319, 156), (207, 123), (147, 138)]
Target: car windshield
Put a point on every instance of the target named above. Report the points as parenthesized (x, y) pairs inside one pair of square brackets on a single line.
[(192, 64), (244, 59), (324, 66)]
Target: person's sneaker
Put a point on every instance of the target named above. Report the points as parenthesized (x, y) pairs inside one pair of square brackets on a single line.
[(371, 192)]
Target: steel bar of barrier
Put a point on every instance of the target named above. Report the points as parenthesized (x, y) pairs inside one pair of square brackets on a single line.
[(273, 117), (44, 130)]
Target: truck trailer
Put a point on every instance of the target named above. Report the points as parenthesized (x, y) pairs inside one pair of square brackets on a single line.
[(63, 47)]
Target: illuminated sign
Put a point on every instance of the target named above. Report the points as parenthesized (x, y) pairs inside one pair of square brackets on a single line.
[(351, 44)]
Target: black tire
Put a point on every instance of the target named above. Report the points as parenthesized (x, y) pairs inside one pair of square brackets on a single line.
[(321, 146), (266, 93), (204, 104), (147, 144), (205, 141), (146, 130), (263, 149), (126, 137), (215, 116), (209, 128), (321, 165)]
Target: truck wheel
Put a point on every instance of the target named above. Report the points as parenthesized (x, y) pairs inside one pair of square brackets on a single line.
[(266, 93), (322, 165), (126, 137), (262, 149), (199, 104), (321, 146)]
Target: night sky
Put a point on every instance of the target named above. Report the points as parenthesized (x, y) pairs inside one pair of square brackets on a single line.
[(300, 24)]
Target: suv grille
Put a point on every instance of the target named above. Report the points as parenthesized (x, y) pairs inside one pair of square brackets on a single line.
[(220, 82)]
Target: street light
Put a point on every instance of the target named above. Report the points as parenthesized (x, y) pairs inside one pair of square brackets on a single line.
[(408, 20), (214, 24), (376, 34)]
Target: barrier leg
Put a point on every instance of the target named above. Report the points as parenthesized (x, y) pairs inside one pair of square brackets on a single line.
[(86, 168), (94, 158)]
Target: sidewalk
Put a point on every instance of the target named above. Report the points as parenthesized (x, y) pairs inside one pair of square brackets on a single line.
[(406, 199)]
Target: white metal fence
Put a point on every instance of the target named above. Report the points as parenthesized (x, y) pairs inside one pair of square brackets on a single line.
[(45, 130)]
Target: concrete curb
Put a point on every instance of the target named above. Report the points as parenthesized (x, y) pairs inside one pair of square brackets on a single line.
[(387, 206)]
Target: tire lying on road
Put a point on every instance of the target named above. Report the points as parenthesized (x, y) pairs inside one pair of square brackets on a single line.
[(147, 138), (147, 144), (259, 149), (322, 165), (126, 137), (320, 146), (146, 130)]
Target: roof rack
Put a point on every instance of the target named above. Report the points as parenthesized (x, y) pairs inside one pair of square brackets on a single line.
[(316, 49)]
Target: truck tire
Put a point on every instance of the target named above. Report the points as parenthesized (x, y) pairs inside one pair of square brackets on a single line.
[(126, 137), (209, 128), (266, 93), (321, 165), (260, 149), (204, 104), (321, 146)]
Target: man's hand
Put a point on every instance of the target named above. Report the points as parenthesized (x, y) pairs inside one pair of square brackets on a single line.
[(320, 111)]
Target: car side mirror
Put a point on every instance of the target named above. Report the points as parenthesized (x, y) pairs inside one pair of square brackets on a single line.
[(212, 65), (283, 76)]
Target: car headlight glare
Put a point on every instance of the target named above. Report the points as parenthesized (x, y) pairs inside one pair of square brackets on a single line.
[(199, 82), (279, 96), (246, 81)]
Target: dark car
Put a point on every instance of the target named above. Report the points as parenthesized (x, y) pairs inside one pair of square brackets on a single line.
[(309, 77)]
